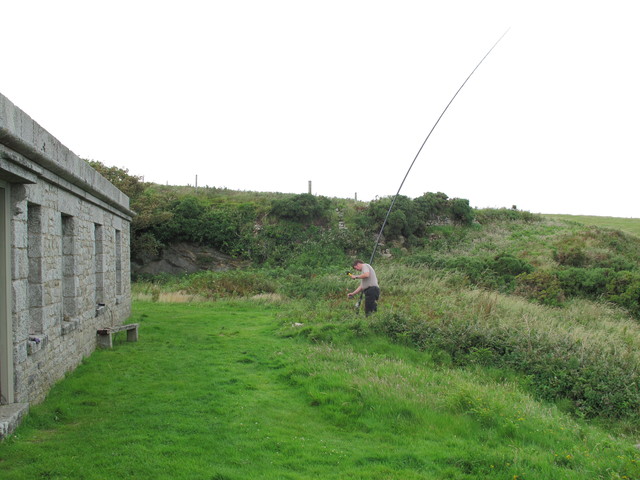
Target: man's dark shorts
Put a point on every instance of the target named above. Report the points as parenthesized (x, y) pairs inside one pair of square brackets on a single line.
[(371, 296)]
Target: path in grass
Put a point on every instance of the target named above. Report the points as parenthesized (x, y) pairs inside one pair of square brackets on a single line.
[(212, 392)]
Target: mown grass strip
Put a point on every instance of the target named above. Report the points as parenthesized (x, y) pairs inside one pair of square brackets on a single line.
[(222, 391), (628, 225)]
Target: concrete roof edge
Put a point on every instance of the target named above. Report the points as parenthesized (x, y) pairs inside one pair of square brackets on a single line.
[(24, 135)]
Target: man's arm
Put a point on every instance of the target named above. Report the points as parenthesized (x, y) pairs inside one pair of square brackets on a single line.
[(364, 274), (355, 292)]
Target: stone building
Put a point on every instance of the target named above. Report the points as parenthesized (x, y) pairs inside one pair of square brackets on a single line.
[(64, 261)]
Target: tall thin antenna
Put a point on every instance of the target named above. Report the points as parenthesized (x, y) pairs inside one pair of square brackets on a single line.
[(386, 218), (384, 223)]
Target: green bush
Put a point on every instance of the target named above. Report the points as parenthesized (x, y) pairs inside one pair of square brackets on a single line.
[(401, 221), (146, 246), (540, 286), (494, 215), (303, 208), (506, 264), (412, 218), (461, 212), (432, 208), (572, 256), (624, 290), (584, 282)]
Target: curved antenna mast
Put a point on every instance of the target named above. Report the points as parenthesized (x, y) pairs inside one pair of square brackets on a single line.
[(384, 223), (423, 144)]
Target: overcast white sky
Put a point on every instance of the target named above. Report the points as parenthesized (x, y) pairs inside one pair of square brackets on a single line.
[(267, 95)]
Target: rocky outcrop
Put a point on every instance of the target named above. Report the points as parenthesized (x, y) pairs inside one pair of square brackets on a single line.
[(186, 258)]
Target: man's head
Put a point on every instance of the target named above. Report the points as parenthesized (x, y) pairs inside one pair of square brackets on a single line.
[(358, 265)]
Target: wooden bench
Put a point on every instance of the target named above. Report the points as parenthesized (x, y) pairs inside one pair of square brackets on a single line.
[(105, 335)]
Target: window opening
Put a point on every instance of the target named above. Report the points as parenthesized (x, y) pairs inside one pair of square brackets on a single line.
[(34, 254)]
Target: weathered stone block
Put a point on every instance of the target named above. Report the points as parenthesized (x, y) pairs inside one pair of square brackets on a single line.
[(19, 295), (20, 267)]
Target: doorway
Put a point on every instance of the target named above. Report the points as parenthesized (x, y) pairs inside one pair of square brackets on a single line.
[(6, 343)]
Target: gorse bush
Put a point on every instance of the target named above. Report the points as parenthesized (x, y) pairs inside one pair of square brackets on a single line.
[(301, 208), (624, 290), (572, 256), (225, 228), (412, 218), (542, 287), (585, 282)]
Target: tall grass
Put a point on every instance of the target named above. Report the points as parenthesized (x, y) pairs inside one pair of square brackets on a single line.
[(584, 354)]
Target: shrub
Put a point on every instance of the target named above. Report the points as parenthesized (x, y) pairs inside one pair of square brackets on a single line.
[(401, 222), (572, 256), (624, 290), (411, 218), (584, 282), (461, 212), (540, 286), (432, 208), (506, 264), (494, 215), (146, 247), (303, 208)]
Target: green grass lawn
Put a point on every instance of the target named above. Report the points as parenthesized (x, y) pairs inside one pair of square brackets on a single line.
[(628, 225), (227, 391)]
